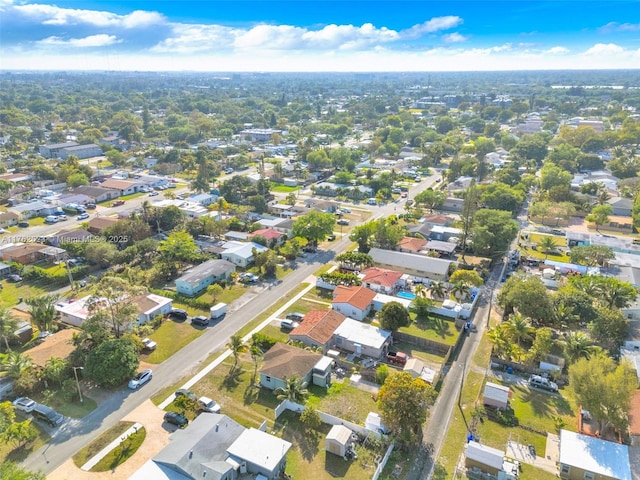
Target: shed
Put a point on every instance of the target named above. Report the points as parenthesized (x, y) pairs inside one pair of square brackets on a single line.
[(338, 440), (483, 458), (374, 423), (496, 396)]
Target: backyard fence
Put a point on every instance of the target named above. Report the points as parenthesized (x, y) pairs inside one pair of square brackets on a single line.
[(429, 346), (382, 463)]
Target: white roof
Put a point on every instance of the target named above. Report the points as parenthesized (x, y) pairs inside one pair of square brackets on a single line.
[(362, 333), (242, 249), (259, 448), (340, 434), (411, 261), (491, 457), (497, 392), (595, 455)]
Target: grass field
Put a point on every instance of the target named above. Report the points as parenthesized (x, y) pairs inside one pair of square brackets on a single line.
[(122, 453), (277, 187), (11, 292), (343, 400), (437, 330), (171, 337), (99, 443), (72, 409)]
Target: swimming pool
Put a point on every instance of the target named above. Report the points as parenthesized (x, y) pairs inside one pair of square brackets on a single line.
[(407, 295)]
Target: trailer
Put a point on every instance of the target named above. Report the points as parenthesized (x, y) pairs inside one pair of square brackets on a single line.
[(218, 311)]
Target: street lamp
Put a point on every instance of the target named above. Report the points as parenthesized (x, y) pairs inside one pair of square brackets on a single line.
[(75, 372)]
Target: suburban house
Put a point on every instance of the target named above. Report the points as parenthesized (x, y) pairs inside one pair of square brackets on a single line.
[(621, 206), (381, 280), (273, 236), (149, 306), (452, 204), (33, 209), (282, 362), (98, 224), (201, 276), (82, 151), (216, 447), (96, 193), (481, 460), (203, 199), (282, 225), (123, 187), (9, 219), (24, 253), (355, 302), (586, 457), (54, 150), (411, 244), (412, 264), (241, 253), (317, 328), (362, 339), (52, 254), (69, 236), (58, 345)]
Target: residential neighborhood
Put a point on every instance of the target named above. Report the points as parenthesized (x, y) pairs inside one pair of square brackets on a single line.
[(410, 281)]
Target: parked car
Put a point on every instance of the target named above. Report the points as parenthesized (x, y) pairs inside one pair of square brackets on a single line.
[(140, 379), (2, 230), (178, 314), (399, 358), (23, 224), (25, 404), (403, 195), (91, 206), (14, 278), (83, 216), (331, 238), (228, 170), (51, 219), (295, 316), (149, 345), (62, 217), (200, 320), (183, 392), (248, 277), (74, 262), (309, 249), (47, 415), (345, 209), (176, 418), (539, 381), (343, 221), (208, 405), (288, 324), (117, 203), (154, 194)]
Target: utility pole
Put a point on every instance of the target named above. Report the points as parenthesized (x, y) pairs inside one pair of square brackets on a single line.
[(75, 372)]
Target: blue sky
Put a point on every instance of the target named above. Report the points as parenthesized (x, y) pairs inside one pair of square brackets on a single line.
[(332, 35)]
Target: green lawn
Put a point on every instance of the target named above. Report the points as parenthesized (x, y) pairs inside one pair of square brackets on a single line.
[(171, 337), (129, 197), (121, 453), (11, 292), (277, 187), (304, 306), (556, 256), (308, 458), (434, 361), (275, 333), (91, 450), (320, 295), (343, 400), (559, 240), (323, 269), (436, 329), (72, 409)]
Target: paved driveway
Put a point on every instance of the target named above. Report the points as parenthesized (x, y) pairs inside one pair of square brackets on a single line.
[(151, 417)]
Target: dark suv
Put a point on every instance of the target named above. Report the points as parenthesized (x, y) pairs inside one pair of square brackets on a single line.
[(295, 316), (176, 418), (178, 314), (200, 320), (47, 415)]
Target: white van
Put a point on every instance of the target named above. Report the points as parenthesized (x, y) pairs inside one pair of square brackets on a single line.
[(51, 219), (372, 201)]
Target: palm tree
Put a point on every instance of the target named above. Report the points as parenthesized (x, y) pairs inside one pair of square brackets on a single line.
[(438, 290), (256, 355), (293, 390), (16, 365), (420, 291), (8, 326), (589, 285), (460, 290), (577, 345), (602, 195), (518, 329), (55, 369), (43, 311), (547, 244), (501, 343), (565, 316), (237, 347)]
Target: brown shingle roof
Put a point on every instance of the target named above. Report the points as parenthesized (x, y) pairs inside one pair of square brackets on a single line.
[(319, 325), (359, 297), (117, 184), (59, 345), (284, 361), (100, 223), (381, 276)]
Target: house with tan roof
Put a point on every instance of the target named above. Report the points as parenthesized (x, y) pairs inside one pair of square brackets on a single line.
[(411, 244), (98, 224), (354, 302), (58, 345), (78, 235), (317, 328), (285, 361), (9, 219), (124, 187), (24, 253), (381, 280)]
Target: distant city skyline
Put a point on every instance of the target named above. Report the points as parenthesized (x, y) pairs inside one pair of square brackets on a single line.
[(304, 36)]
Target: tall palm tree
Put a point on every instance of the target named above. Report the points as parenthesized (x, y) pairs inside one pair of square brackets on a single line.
[(460, 290), (577, 345), (15, 365), (547, 244), (294, 390), (420, 291), (55, 369), (438, 290), (43, 311), (501, 342), (256, 354), (237, 347), (565, 316), (8, 326), (518, 329), (589, 285)]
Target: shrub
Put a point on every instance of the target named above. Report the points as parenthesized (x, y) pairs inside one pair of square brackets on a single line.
[(263, 341), (310, 417), (382, 372)]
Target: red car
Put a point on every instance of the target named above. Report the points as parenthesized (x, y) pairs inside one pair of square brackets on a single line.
[(117, 203), (399, 358)]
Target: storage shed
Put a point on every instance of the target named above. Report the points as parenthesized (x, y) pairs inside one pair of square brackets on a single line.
[(496, 396), (338, 440), (480, 458)]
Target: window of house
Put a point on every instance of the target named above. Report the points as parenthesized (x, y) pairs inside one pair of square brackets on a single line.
[(589, 476), (267, 378), (565, 469), (339, 340)]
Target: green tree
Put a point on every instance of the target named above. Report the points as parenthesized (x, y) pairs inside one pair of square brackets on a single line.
[(8, 325), (315, 226), (600, 215), (237, 347), (387, 233), (470, 277), (114, 303), (604, 389), (354, 260), (15, 365), (577, 345), (591, 255), (77, 179), (42, 311), (493, 231), (12, 471), (528, 296), (518, 329), (421, 308), (215, 290), (294, 390), (469, 208), (460, 290), (542, 344), (438, 290), (363, 236), (19, 434), (112, 362), (56, 369), (609, 328), (498, 196), (310, 417), (430, 198), (553, 176), (382, 372), (267, 262), (291, 199), (547, 245), (394, 315), (179, 247), (403, 403)]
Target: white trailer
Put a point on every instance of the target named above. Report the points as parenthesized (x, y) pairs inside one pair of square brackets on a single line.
[(217, 311)]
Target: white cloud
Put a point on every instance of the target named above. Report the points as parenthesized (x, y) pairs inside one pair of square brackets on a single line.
[(436, 24), (557, 50), (604, 49), (101, 40), (53, 15), (454, 37), (619, 27)]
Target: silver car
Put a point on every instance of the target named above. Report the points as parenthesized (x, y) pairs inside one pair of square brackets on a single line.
[(24, 404), (140, 379)]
